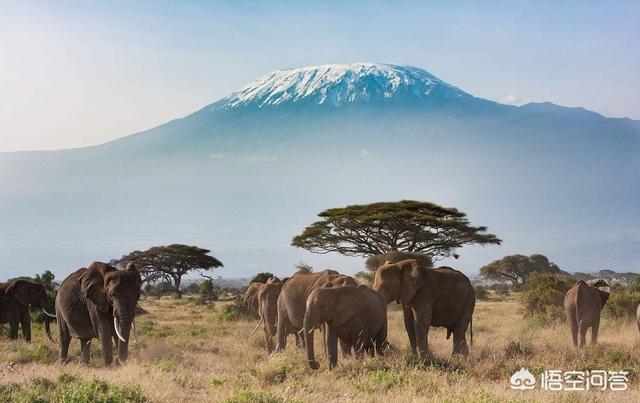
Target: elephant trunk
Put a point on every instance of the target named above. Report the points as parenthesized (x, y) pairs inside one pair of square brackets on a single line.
[(308, 327), (123, 328)]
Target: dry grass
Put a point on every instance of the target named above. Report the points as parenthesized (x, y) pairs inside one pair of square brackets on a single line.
[(187, 353)]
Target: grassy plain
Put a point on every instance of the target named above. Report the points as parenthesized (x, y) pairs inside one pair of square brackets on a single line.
[(188, 352)]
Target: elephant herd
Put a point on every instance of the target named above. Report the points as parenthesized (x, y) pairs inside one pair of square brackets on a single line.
[(95, 302), (356, 315), (100, 302)]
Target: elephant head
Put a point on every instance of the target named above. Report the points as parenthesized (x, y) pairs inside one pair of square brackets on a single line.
[(603, 291), (115, 293), (398, 281), (329, 304), (268, 309)]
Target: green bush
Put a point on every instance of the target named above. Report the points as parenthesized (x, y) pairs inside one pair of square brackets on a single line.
[(70, 389), (237, 311), (254, 397), (622, 304), (543, 297)]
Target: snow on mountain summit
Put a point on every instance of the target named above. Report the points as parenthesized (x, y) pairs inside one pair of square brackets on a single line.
[(337, 84)]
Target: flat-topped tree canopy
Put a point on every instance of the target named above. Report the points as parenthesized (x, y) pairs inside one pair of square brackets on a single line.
[(169, 263), (407, 226)]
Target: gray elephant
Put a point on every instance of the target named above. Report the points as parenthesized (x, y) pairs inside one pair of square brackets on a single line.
[(356, 315), (15, 299), (98, 302), (293, 298), (267, 296), (250, 297), (439, 297), (582, 306)]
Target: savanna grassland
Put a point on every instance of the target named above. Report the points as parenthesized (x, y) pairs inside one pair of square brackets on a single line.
[(188, 352)]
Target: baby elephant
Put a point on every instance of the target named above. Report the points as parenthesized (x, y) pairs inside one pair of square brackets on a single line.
[(582, 305), (356, 315)]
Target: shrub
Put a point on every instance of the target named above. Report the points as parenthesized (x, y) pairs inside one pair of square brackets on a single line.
[(254, 397), (373, 262), (543, 297), (304, 267), (261, 277), (237, 311), (622, 304), (67, 388), (481, 292)]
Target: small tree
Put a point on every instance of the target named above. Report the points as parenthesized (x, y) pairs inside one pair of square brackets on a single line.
[(407, 226), (170, 263), (207, 290), (543, 296), (304, 267), (518, 268)]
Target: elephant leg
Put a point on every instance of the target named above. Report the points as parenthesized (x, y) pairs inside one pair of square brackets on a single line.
[(345, 348), (85, 346), (410, 327), (105, 334), (422, 321), (300, 340), (332, 346), (13, 328), (459, 341), (65, 339), (594, 331), (25, 323), (573, 324), (582, 335), (282, 332)]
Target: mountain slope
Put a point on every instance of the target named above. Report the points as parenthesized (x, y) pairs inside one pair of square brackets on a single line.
[(246, 173)]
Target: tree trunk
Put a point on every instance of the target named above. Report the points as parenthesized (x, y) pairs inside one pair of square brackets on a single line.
[(176, 287)]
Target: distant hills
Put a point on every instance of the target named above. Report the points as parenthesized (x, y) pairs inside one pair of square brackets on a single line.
[(246, 173)]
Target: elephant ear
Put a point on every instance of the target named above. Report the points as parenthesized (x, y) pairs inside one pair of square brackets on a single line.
[(411, 280), (19, 290), (92, 285), (131, 268), (352, 302)]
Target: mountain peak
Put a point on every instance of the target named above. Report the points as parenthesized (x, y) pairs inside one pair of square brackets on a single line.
[(339, 84)]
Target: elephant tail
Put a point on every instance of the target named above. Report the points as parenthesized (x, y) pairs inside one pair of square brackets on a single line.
[(471, 330)]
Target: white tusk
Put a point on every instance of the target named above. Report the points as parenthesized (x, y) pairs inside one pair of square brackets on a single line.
[(256, 328), (115, 324), (135, 333), (48, 314)]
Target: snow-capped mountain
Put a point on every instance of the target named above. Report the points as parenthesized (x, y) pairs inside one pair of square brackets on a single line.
[(244, 174), (338, 84)]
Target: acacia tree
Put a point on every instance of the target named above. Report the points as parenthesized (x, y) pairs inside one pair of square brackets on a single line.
[(518, 268), (406, 226), (170, 263)]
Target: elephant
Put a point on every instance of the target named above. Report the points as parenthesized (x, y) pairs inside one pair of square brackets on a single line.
[(356, 315), (15, 299), (293, 298), (250, 298), (439, 297), (268, 309), (582, 306), (98, 302)]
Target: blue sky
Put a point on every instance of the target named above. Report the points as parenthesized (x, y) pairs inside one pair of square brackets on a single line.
[(81, 73)]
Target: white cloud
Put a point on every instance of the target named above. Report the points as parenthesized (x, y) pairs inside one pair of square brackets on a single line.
[(510, 99), (263, 158), (364, 152)]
